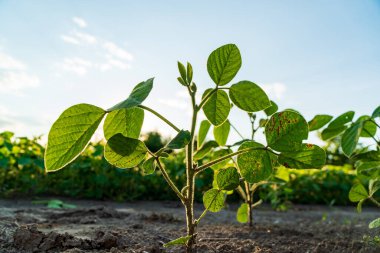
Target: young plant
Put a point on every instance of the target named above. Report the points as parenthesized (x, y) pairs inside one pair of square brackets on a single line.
[(255, 168), (366, 161), (285, 132)]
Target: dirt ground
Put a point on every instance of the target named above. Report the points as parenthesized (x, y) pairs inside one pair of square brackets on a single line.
[(96, 226)]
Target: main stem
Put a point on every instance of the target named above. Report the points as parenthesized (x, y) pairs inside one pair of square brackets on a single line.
[(249, 202), (190, 175)]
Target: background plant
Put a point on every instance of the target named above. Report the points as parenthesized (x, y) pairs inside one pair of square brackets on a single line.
[(366, 159)]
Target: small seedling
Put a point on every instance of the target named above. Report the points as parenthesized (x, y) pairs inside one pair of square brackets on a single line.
[(54, 204), (285, 132), (250, 170)]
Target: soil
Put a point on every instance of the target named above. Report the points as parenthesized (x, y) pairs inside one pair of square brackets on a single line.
[(96, 226)]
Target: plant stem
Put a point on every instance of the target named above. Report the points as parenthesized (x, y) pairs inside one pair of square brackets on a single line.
[(169, 181), (160, 116), (221, 159), (373, 121), (237, 131), (242, 193), (204, 100), (201, 216), (190, 176), (374, 201), (249, 202)]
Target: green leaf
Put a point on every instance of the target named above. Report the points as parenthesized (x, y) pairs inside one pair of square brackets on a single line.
[(124, 152), (181, 81), (179, 241), (55, 204), (223, 64), (128, 122), (180, 140), (351, 137), (139, 93), (189, 73), (342, 119), (374, 224), (227, 179), (319, 121), (242, 213), (217, 107), (357, 193), (273, 108), (221, 133), (205, 149), (213, 200), (308, 157), (373, 155), (203, 130), (369, 169), (70, 134), (376, 113), (373, 186), (369, 128), (254, 165), (182, 71), (286, 130), (329, 133), (149, 166), (217, 154), (249, 96)]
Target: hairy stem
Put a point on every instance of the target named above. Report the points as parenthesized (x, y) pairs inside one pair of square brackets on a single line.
[(190, 176), (169, 181), (159, 116), (249, 202)]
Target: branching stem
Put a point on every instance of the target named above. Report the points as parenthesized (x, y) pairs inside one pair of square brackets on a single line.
[(204, 100), (160, 117), (221, 159), (168, 180)]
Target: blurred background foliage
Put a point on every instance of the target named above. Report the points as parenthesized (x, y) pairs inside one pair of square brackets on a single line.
[(90, 176)]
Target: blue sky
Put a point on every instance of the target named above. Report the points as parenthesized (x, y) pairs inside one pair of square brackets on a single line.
[(313, 56)]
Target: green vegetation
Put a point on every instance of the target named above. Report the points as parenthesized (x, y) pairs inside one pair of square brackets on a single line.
[(366, 160), (284, 132), (90, 176)]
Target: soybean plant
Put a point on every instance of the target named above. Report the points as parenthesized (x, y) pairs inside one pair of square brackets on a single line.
[(366, 159), (285, 131)]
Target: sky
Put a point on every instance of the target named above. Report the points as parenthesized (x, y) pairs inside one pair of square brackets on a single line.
[(318, 57)]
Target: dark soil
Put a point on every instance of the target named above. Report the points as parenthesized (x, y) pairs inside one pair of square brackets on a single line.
[(145, 226)]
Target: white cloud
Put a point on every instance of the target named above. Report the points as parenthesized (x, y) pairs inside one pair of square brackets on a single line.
[(112, 63), (79, 38), (10, 63), (85, 37), (80, 22), (76, 65), (14, 77), (108, 55), (117, 51), (69, 39), (275, 90), (81, 66)]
